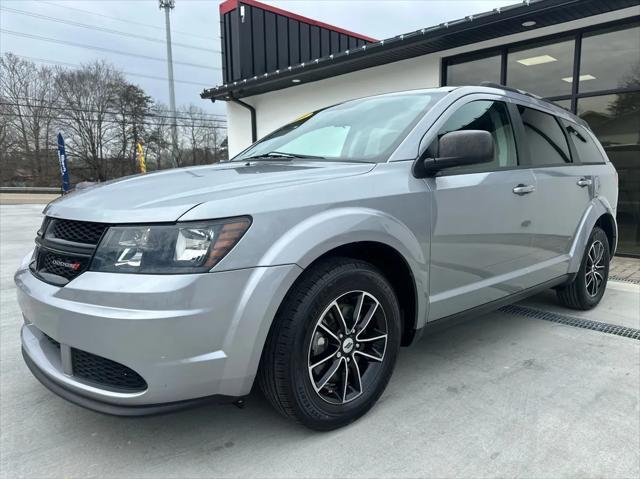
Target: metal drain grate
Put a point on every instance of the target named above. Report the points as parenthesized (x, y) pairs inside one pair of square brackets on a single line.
[(572, 321), (624, 280)]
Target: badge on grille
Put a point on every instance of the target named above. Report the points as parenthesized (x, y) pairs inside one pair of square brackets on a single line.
[(64, 264)]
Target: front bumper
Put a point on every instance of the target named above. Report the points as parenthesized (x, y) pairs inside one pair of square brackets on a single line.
[(190, 337)]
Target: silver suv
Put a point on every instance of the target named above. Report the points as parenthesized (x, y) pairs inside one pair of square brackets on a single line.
[(304, 263)]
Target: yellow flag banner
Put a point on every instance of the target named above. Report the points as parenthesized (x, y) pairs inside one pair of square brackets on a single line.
[(140, 155)]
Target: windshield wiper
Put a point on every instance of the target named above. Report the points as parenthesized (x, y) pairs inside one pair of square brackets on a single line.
[(282, 155)]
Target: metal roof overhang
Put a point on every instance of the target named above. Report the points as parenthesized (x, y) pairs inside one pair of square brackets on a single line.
[(466, 31)]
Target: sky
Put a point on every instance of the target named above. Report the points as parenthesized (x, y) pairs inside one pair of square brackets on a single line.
[(195, 33)]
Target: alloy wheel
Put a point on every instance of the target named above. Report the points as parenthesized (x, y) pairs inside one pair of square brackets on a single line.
[(347, 347), (594, 272)]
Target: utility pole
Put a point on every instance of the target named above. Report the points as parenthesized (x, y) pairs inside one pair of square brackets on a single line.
[(169, 5)]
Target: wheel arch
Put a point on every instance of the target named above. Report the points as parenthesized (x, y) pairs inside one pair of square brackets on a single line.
[(395, 269), (368, 234), (598, 213), (608, 224)]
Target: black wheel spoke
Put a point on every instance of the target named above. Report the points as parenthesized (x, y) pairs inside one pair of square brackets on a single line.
[(358, 310), (328, 331), (331, 372), (336, 307), (362, 325), (376, 338), (358, 377), (370, 356), (345, 381), (322, 361)]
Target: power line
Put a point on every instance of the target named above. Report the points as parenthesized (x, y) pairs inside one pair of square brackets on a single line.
[(101, 49), (48, 102), (102, 29), (125, 21), (125, 122), (64, 108), (77, 65)]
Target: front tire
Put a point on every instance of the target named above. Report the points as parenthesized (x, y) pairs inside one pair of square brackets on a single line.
[(587, 288), (333, 345)]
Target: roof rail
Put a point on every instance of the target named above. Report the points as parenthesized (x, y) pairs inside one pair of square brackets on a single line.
[(509, 88)]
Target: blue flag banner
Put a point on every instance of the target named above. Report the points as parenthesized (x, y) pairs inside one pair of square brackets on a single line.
[(62, 158)]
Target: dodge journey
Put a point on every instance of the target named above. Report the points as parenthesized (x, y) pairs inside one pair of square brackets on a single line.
[(304, 263)]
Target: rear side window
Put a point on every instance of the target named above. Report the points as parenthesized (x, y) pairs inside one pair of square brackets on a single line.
[(491, 116), (586, 149), (545, 138)]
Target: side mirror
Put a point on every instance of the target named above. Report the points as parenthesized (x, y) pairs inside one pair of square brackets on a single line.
[(457, 148)]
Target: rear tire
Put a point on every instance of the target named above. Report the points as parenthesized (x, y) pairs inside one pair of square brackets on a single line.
[(587, 288), (333, 344)]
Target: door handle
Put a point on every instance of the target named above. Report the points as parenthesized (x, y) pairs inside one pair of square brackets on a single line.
[(582, 182), (523, 189)]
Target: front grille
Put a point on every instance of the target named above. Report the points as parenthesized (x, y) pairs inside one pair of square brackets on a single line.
[(75, 231), (104, 372), (67, 267), (65, 248)]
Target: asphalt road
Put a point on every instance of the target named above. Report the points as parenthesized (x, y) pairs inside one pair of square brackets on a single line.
[(501, 395)]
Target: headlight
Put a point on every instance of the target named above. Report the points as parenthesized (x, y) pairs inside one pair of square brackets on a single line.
[(168, 249)]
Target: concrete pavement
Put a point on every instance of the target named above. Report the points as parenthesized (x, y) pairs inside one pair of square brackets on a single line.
[(501, 395)]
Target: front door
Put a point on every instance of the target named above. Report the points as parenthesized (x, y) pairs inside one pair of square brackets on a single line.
[(482, 240)]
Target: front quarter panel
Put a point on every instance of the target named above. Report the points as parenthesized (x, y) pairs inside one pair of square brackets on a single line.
[(298, 225)]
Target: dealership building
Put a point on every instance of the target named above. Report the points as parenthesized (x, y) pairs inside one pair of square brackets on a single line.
[(584, 55)]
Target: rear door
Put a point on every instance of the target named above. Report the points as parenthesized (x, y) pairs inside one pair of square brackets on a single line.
[(481, 245), (564, 191)]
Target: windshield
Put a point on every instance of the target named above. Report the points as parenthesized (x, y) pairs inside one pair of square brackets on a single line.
[(365, 130)]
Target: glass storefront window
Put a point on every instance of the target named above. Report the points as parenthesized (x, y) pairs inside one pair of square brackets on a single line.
[(474, 72), (615, 119), (545, 70), (608, 97), (610, 60)]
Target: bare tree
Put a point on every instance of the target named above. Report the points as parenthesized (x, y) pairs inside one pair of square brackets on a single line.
[(158, 138), (89, 95), (102, 117), (132, 106), (27, 95), (192, 130)]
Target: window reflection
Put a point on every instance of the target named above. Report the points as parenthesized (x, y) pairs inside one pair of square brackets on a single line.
[(610, 60), (547, 143), (545, 70), (474, 72), (615, 119), (488, 116)]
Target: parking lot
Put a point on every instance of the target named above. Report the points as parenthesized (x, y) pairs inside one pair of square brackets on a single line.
[(502, 395)]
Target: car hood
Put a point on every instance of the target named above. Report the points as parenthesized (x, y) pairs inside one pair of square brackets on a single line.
[(167, 195)]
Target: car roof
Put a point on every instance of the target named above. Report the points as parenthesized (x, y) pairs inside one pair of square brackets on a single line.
[(520, 96)]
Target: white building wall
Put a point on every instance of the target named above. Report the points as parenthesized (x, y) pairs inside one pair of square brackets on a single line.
[(277, 108)]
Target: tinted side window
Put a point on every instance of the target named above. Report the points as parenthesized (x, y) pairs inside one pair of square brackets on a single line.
[(547, 143), (585, 147), (491, 116)]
